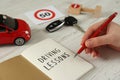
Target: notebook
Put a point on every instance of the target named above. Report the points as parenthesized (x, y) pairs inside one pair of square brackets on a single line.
[(46, 60)]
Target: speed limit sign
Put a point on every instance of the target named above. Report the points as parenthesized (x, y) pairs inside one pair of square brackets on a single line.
[(44, 14)]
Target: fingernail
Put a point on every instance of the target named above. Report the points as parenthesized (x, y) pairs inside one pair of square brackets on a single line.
[(95, 57)]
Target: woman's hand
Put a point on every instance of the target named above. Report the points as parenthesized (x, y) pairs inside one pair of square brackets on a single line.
[(110, 36)]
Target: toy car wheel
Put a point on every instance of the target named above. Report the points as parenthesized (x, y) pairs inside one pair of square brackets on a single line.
[(19, 41)]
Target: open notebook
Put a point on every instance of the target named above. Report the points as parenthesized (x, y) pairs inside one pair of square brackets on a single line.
[(46, 60)]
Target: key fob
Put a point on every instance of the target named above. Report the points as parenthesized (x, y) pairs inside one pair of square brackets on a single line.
[(54, 26), (70, 21)]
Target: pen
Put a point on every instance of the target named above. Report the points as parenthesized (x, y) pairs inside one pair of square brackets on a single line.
[(98, 31)]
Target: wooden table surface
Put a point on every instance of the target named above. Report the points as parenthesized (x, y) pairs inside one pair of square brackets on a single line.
[(107, 67)]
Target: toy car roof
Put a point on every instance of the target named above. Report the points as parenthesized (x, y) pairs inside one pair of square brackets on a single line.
[(8, 21)]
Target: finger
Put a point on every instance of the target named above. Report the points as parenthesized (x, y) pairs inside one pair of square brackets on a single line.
[(97, 41), (95, 53), (90, 30), (88, 50)]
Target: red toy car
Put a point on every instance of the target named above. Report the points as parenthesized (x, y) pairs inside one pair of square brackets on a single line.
[(13, 31)]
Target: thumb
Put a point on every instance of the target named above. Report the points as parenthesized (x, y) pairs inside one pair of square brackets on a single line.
[(97, 41)]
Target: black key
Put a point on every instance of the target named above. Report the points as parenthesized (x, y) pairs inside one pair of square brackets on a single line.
[(71, 21)]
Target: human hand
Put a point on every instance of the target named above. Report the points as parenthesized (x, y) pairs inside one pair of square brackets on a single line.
[(110, 36)]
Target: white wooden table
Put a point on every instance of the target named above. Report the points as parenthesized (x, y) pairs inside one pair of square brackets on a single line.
[(107, 67)]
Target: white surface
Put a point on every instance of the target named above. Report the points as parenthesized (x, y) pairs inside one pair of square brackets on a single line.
[(56, 61), (107, 67)]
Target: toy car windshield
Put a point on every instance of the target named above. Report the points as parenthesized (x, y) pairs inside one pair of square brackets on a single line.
[(8, 21)]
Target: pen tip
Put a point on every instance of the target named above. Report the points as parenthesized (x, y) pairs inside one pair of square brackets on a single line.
[(75, 55), (115, 13)]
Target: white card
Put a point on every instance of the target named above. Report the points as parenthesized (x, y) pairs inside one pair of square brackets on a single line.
[(56, 61), (43, 15)]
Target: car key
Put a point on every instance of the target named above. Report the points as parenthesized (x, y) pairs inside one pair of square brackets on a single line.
[(54, 26), (71, 21), (68, 21)]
